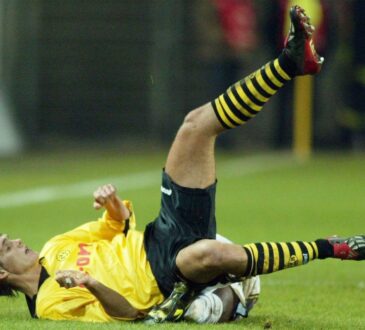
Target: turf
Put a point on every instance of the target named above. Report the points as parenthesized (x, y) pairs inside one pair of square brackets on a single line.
[(263, 198)]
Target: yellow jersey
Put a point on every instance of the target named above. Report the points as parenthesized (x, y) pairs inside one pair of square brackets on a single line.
[(110, 251)]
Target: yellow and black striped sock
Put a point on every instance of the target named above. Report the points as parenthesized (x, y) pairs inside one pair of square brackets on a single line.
[(244, 100), (265, 258)]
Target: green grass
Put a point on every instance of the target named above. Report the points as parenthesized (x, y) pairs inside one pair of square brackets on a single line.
[(289, 201)]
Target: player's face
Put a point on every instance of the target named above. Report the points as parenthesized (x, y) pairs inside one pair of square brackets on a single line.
[(15, 257)]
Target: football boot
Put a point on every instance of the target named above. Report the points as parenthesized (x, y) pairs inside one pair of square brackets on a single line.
[(299, 46)]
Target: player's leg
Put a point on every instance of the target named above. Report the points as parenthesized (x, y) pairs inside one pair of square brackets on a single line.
[(210, 260), (207, 260), (222, 304), (190, 162), (229, 303), (213, 306)]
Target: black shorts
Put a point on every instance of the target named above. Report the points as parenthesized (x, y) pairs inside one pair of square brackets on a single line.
[(186, 216)]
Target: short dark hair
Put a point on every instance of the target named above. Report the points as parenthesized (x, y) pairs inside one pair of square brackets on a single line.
[(7, 290)]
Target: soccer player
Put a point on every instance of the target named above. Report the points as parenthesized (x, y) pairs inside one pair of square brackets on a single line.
[(112, 252), (107, 269)]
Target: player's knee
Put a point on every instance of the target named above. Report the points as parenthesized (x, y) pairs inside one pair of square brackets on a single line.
[(208, 255), (192, 121)]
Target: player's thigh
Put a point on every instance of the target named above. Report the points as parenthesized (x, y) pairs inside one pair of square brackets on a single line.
[(208, 259)]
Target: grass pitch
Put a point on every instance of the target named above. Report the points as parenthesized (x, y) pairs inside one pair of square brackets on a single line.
[(259, 198)]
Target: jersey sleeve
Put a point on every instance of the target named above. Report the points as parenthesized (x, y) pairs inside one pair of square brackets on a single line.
[(104, 228)]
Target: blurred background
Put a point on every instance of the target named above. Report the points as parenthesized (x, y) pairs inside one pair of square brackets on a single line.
[(80, 73)]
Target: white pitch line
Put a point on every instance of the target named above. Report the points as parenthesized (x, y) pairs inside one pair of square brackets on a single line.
[(76, 190), (236, 167)]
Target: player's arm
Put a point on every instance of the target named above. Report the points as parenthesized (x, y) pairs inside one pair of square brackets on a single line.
[(111, 223), (113, 303), (106, 197)]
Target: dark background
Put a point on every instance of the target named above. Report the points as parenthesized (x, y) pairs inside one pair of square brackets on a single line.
[(129, 70)]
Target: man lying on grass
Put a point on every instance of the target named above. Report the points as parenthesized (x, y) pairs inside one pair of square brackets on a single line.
[(107, 269), (104, 259)]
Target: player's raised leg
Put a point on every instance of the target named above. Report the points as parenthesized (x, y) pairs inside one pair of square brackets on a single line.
[(190, 162)]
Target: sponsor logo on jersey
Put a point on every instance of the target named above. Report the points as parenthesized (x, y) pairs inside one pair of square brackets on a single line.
[(83, 257), (62, 255)]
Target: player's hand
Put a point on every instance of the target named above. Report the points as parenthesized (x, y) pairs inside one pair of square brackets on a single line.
[(106, 196), (71, 278)]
